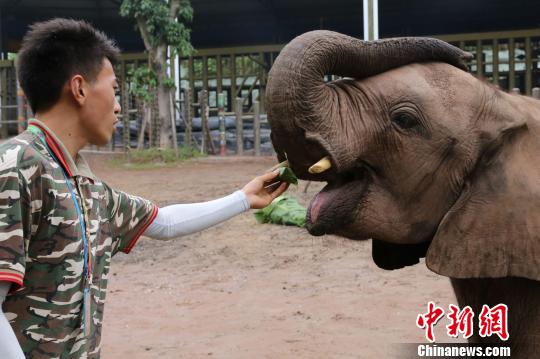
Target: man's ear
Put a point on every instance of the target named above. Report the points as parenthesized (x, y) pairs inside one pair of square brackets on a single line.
[(78, 89)]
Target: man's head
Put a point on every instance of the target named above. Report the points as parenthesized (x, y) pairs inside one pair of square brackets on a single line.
[(64, 59)]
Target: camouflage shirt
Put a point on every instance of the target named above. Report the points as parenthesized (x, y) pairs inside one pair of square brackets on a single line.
[(41, 242)]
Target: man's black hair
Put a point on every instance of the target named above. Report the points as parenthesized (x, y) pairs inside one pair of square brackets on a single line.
[(53, 51)]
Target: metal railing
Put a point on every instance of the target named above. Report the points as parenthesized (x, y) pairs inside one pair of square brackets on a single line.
[(511, 60)]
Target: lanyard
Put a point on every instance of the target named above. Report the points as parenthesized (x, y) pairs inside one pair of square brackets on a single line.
[(82, 214)]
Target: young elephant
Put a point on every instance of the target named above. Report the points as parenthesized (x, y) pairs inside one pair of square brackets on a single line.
[(421, 157)]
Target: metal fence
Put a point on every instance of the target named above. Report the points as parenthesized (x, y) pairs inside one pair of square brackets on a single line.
[(508, 59), (237, 72), (511, 60)]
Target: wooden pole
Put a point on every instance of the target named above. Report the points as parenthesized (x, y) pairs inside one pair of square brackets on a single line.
[(239, 127), (188, 113), (262, 88), (145, 112), (4, 110), (479, 58), (222, 139), (202, 110), (20, 109), (511, 64), (125, 105), (257, 128), (528, 66), (495, 64), (208, 144), (219, 75), (233, 81), (191, 73), (154, 122), (205, 72), (173, 125)]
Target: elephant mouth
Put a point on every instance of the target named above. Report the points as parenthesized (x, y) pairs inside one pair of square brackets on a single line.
[(333, 209)]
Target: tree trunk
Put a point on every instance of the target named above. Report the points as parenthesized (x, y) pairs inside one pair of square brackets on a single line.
[(164, 95), (146, 124)]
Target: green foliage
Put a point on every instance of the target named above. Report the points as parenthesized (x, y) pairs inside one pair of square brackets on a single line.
[(143, 82), (156, 157), (168, 83), (162, 26), (283, 210), (286, 174), (159, 155)]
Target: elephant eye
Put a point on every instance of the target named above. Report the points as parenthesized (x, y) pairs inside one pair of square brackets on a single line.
[(405, 121)]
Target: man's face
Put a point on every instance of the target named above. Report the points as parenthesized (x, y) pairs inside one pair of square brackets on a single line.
[(99, 113)]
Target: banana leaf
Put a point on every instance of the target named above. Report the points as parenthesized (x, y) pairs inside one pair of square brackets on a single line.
[(287, 175)]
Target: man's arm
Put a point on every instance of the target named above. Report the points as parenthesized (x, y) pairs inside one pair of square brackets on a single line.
[(9, 346), (182, 219)]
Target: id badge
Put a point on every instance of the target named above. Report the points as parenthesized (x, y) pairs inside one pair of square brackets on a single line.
[(87, 311)]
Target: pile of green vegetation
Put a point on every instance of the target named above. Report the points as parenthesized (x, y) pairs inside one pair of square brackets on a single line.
[(157, 157), (283, 210)]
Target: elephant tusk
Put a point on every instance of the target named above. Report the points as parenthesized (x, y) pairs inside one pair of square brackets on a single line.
[(324, 164)]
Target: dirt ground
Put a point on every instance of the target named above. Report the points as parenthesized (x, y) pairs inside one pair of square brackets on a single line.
[(247, 290)]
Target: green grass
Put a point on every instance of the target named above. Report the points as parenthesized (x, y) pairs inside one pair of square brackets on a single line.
[(155, 157)]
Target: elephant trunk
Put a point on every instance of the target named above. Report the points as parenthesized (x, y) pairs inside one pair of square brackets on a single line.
[(299, 101)]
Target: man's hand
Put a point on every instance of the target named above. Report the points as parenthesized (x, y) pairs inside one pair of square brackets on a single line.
[(262, 190)]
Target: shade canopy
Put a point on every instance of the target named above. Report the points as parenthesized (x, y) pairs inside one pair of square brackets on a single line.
[(220, 23)]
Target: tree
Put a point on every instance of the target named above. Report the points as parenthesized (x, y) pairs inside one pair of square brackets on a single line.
[(143, 84), (162, 25)]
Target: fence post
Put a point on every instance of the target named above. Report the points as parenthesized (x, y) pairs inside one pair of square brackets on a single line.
[(208, 145), (173, 123), (221, 110), (20, 109), (536, 93), (188, 111), (239, 126), (4, 110), (202, 110), (257, 128), (144, 111), (125, 107), (155, 126)]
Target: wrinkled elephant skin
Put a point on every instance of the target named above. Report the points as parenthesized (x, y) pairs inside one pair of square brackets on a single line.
[(426, 160)]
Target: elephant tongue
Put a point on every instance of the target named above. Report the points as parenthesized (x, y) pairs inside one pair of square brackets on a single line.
[(333, 207), (315, 206), (318, 202)]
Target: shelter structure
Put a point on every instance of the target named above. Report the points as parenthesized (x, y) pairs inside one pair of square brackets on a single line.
[(238, 40)]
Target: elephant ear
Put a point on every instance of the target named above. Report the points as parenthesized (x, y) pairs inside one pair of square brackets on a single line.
[(493, 230)]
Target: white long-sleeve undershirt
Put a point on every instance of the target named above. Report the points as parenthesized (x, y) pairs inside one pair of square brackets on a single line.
[(9, 345), (182, 219)]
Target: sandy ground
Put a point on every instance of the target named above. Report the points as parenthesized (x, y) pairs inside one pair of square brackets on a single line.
[(246, 290)]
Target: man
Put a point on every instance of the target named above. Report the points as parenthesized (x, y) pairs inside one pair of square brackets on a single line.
[(59, 224)]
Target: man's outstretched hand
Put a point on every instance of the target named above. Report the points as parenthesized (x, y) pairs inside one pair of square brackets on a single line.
[(262, 190)]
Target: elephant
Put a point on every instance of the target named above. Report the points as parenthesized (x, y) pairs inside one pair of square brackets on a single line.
[(421, 157)]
